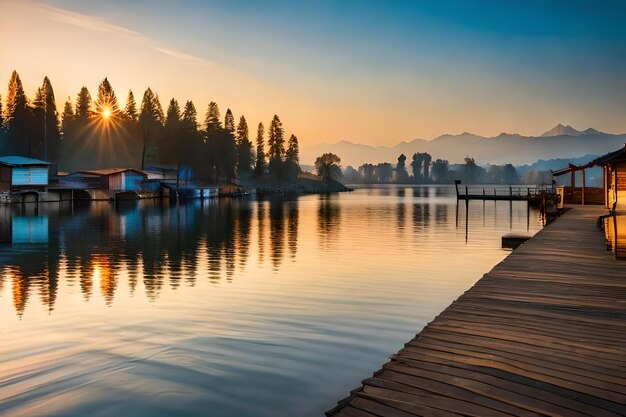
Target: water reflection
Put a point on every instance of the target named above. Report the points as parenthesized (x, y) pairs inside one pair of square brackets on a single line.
[(517, 217), (277, 231), (292, 227), (615, 234), (329, 218), (157, 243), (152, 241), (240, 306)]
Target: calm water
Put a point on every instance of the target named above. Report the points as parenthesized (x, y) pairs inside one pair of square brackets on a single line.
[(232, 307)]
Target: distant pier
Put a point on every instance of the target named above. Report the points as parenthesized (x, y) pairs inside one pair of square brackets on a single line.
[(543, 333), (534, 194)]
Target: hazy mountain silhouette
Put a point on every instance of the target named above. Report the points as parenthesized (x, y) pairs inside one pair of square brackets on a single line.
[(560, 130), (559, 142)]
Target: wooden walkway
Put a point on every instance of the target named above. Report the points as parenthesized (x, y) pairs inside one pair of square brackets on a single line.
[(543, 333)]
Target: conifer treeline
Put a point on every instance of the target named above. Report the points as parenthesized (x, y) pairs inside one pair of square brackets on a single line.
[(97, 133)]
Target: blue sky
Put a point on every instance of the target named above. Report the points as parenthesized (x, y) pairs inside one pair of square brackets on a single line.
[(370, 72)]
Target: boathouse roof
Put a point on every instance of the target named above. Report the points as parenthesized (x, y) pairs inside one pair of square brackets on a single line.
[(611, 156), (619, 154), (111, 171), (21, 161)]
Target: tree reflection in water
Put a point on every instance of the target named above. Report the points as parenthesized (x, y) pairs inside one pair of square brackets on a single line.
[(152, 242)]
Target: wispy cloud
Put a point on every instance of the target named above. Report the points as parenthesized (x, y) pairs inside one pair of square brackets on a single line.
[(93, 23)]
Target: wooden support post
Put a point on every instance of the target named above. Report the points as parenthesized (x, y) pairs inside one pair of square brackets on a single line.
[(466, 218), (606, 188), (615, 185), (582, 195), (573, 182), (615, 250), (510, 193)]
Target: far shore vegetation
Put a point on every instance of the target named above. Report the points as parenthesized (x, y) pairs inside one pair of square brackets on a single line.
[(422, 169)]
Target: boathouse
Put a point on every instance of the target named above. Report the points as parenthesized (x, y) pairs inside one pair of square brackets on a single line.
[(583, 194), (614, 166), (118, 179), (18, 173)]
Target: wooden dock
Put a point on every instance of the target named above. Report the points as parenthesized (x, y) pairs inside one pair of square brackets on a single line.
[(503, 193), (543, 333)]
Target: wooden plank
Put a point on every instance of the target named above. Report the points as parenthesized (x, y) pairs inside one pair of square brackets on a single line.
[(543, 333), (580, 360), (447, 391), (428, 398), (548, 396), (523, 366), (547, 363)]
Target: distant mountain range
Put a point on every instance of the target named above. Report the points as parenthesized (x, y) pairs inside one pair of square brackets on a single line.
[(558, 142), (567, 130)]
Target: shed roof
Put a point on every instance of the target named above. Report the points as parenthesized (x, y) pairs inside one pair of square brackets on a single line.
[(14, 160), (620, 153), (110, 171), (611, 156), (570, 168)]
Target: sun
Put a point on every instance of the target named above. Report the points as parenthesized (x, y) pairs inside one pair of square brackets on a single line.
[(106, 114)]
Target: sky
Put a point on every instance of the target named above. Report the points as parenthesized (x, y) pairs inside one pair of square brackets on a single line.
[(369, 72)]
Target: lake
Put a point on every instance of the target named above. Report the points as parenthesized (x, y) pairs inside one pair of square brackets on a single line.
[(229, 307)]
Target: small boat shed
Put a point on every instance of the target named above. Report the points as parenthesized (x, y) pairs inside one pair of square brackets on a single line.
[(18, 173), (118, 179), (614, 166)]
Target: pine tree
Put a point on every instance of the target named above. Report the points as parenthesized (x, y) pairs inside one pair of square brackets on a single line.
[(83, 104), (159, 109), (106, 103), (52, 134), (169, 148), (150, 127), (67, 118), (16, 99), (37, 125), (292, 158), (130, 111), (77, 138), (173, 115), (148, 111), (293, 151), (220, 152), (16, 117), (1, 117), (276, 143), (190, 116), (191, 143), (39, 100), (242, 130), (68, 122), (229, 121), (259, 166), (244, 148), (212, 120)]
